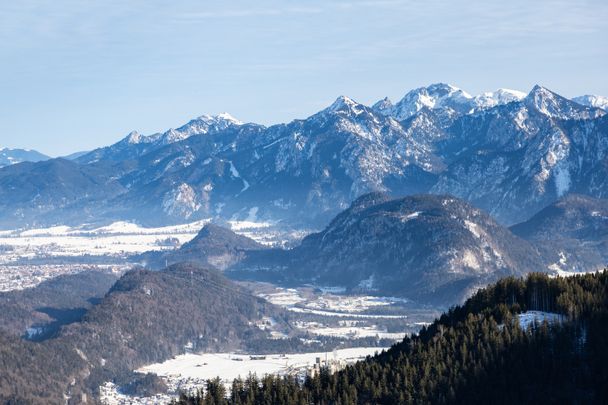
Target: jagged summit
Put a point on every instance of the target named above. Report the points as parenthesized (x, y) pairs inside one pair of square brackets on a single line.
[(507, 154), (134, 137), (383, 106), (553, 105), (345, 104), (434, 96), (224, 116)]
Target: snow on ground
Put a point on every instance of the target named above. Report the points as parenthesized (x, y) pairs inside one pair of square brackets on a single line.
[(118, 239), (349, 330), (410, 216), (189, 372), (528, 318), (110, 395), (561, 267), (284, 297), (564, 273), (344, 315), (121, 239), (18, 277), (229, 366), (473, 228), (26, 255), (267, 233), (327, 304), (351, 303)]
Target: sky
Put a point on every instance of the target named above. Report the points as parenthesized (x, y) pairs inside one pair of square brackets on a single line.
[(75, 75)]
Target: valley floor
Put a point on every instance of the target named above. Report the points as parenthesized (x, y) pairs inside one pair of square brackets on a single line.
[(188, 372), (30, 256)]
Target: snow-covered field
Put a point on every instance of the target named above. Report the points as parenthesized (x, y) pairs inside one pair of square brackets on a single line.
[(329, 304), (229, 366), (349, 329), (189, 372), (29, 256), (119, 239), (328, 311)]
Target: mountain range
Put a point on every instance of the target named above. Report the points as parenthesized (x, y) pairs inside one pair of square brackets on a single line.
[(428, 248), (13, 156), (509, 153)]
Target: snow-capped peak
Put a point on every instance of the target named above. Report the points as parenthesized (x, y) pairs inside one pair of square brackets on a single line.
[(199, 126), (345, 104), (134, 137), (544, 100), (498, 97), (553, 105), (590, 100), (438, 95), (383, 106), (226, 117)]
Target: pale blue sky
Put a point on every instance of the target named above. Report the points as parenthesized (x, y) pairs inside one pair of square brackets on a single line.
[(76, 74)]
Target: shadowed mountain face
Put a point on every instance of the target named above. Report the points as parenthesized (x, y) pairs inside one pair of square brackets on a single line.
[(429, 248), (213, 246), (37, 313), (507, 153), (572, 233)]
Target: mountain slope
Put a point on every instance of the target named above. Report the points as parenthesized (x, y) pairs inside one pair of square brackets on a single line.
[(429, 248), (515, 159), (593, 101), (505, 153), (572, 233), (12, 156), (213, 246), (146, 317), (135, 144), (56, 189), (480, 352)]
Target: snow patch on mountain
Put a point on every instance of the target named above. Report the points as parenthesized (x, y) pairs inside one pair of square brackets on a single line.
[(592, 101), (202, 125), (470, 260), (181, 202), (446, 98), (237, 175), (498, 97), (473, 228), (435, 96), (562, 180), (409, 217), (345, 104)]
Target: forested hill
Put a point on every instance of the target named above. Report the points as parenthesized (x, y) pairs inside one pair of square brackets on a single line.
[(475, 353)]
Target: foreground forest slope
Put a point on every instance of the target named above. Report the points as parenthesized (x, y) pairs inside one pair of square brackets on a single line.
[(475, 353), (145, 317)]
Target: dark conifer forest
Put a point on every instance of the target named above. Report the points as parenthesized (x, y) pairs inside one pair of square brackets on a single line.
[(476, 353)]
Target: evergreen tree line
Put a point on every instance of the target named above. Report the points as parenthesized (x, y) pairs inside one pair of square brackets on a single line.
[(475, 353)]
